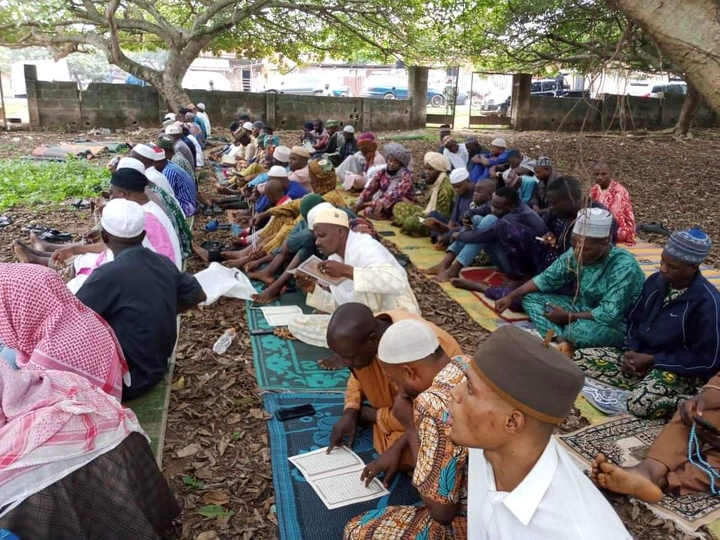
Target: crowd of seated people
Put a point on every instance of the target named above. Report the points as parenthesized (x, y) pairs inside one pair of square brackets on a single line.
[(474, 433)]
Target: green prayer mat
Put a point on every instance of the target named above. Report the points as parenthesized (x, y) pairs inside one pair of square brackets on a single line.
[(290, 365), (152, 411)]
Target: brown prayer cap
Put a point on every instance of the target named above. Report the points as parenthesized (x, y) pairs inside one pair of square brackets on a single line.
[(540, 381)]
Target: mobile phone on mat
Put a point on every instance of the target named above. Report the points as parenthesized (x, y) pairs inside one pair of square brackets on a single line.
[(294, 412)]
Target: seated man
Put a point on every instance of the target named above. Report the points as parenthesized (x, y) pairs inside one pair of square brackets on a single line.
[(412, 358), (672, 345), (526, 186), (139, 294), (347, 146), (370, 274), (298, 163), (666, 467), (331, 146), (442, 228), (353, 172), (485, 164), (455, 153), (521, 482), (353, 335), (504, 228), (319, 135), (616, 199), (609, 280), (389, 186), (518, 163), (565, 198), (545, 173)]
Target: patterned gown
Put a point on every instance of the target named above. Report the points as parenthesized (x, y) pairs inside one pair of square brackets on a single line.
[(440, 473), (617, 199), (406, 214)]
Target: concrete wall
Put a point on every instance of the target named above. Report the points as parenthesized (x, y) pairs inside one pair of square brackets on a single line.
[(611, 112), (61, 105), (564, 114)]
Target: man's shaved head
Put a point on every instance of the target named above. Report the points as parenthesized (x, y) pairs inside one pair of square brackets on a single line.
[(354, 334)]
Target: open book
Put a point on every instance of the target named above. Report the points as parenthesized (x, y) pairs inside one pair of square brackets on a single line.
[(335, 477), (310, 267), (280, 315)]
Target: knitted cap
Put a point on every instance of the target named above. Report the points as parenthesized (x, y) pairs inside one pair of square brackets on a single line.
[(593, 223), (407, 341), (349, 129), (459, 175), (543, 161), (276, 171), (308, 202), (499, 143), (332, 123), (281, 153), (691, 246)]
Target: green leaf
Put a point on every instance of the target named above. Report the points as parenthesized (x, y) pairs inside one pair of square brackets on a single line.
[(214, 510)]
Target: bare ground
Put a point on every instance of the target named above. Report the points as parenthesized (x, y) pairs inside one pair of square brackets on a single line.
[(216, 448)]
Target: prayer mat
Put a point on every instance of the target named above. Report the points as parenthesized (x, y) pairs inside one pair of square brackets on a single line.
[(112, 147), (69, 150), (606, 398), (300, 512), (625, 441), (290, 365), (648, 255), (490, 275)]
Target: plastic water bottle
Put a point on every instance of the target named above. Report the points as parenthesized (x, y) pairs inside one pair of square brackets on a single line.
[(224, 341)]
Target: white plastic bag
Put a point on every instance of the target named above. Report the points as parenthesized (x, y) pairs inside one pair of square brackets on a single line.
[(218, 280)]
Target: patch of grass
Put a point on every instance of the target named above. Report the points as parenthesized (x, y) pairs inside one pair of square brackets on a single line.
[(33, 182)]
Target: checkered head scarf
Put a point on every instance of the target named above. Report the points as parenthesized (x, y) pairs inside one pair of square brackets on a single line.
[(51, 329)]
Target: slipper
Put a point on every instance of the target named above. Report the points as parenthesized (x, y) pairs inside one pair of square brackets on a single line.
[(37, 229), (55, 237), (212, 225), (403, 259), (654, 227), (81, 203), (213, 245), (4, 221)]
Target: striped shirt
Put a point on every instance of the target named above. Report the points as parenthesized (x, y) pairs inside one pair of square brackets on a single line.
[(184, 187)]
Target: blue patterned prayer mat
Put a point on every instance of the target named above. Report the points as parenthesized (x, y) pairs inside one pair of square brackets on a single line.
[(606, 398), (300, 512), (290, 365)]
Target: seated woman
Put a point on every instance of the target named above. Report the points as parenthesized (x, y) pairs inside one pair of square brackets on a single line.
[(617, 199), (609, 280), (441, 198), (48, 328), (354, 170), (672, 345), (390, 186), (76, 464)]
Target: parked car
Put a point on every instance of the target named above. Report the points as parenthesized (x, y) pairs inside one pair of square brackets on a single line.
[(304, 85), (397, 90), (657, 90), (495, 105), (547, 87)]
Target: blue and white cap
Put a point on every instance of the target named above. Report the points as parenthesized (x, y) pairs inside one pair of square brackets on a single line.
[(691, 246)]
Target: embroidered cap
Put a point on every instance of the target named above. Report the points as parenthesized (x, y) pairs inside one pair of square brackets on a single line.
[(691, 246), (300, 151), (540, 381), (332, 216), (543, 161), (459, 175), (281, 153), (315, 210), (407, 341), (593, 223), (276, 171)]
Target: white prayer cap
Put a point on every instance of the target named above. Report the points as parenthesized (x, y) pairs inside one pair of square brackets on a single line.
[(173, 129), (332, 216), (144, 150), (312, 214), (593, 223), (499, 142), (276, 171), (170, 116), (247, 126), (131, 163), (407, 341), (200, 106), (281, 153), (349, 129), (123, 218), (159, 153), (459, 175)]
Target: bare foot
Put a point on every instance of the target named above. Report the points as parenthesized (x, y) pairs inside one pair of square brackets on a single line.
[(253, 266), (468, 285), (25, 255), (633, 481), (445, 276), (265, 297), (201, 252), (435, 270), (263, 276), (332, 363)]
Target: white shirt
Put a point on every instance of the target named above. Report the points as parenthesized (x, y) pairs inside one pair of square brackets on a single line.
[(459, 159), (555, 501), (199, 156), (205, 119)]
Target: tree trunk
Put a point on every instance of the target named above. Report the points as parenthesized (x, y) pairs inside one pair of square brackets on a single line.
[(688, 33), (689, 111), (170, 86)]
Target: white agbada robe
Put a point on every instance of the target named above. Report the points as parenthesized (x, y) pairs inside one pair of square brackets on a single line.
[(555, 500), (458, 159), (379, 282)]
